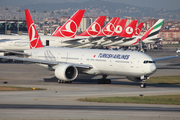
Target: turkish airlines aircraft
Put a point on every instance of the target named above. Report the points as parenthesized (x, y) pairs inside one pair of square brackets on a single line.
[(64, 36), (67, 33), (138, 29), (69, 62), (150, 36), (127, 33)]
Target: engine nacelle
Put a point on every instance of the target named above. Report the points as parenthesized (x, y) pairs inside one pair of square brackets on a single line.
[(135, 79), (66, 72)]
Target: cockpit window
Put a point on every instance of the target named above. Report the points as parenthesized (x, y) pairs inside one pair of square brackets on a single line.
[(145, 62)]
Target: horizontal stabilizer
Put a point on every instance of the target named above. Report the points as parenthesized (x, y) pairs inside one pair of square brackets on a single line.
[(95, 38), (128, 39), (110, 38), (119, 38)]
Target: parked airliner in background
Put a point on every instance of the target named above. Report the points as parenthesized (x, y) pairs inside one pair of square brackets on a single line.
[(68, 63), (150, 36), (62, 37)]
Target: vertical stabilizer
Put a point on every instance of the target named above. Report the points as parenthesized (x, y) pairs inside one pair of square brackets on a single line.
[(129, 30), (69, 29), (95, 28), (108, 30), (153, 31), (138, 29), (34, 39)]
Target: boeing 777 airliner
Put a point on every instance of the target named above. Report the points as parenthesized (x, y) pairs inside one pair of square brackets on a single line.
[(68, 63)]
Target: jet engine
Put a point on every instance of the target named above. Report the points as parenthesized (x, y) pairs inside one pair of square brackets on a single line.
[(66, 72)]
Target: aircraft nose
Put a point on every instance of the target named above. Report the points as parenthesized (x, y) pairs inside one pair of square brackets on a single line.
[(153, 67)]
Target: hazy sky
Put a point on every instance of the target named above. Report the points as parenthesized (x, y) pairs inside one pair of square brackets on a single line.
[(166, 4)]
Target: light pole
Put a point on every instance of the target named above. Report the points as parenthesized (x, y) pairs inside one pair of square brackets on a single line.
[(51, 15), (33, 15), (58, 16), (6, 20), (18, 19), (43, 21)]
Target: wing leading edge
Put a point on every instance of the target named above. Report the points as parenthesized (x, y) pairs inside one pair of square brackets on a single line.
[(45, 62), (164, 58)]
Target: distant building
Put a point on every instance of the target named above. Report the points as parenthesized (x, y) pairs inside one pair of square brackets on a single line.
[(149, 23), (170, 36)]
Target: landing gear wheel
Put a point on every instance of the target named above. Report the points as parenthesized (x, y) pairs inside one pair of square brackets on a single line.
[(104, 80), (62, 81), (143, 85)]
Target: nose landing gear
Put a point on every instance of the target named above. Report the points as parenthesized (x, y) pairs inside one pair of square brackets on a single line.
[(143, 85), (143, 78)]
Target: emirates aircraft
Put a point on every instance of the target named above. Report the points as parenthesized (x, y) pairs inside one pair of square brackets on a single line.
[(68, 63)]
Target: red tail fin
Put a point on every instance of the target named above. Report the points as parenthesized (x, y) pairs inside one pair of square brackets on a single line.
[(138, 29), (109, 28), (34, 39), (70, 27), (119, 27), (129, 30), (95, 27)]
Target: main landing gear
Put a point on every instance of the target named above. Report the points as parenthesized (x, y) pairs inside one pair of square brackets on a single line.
[(103, 80), (63, 81)]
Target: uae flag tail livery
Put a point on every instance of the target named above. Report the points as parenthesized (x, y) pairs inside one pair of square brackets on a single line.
[(34, 39), (69, 29), (129, 30), (153, 31), (119, 27), (138, 29), (95, 28), (108, 30)]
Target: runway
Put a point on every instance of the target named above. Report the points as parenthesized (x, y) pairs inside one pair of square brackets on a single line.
[(59, 101)]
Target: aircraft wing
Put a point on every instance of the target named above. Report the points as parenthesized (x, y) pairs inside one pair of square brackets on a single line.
[(110, 38), (72, 41), (21, 53), (128, 39), (164, 58), (32, 60)]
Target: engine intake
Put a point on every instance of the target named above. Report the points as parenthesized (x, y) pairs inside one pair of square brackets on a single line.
[(66, 72)]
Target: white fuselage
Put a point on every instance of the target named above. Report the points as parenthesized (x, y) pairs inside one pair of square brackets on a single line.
[(104, 62)]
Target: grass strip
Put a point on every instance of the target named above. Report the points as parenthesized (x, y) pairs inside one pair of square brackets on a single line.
[(172, 80), (13, 88), (161, 99)]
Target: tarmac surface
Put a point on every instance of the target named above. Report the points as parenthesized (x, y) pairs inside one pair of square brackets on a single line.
[(59, 101)]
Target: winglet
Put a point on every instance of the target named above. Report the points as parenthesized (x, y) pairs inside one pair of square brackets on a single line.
[(35, 41), (95, 28), (69, 29)]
